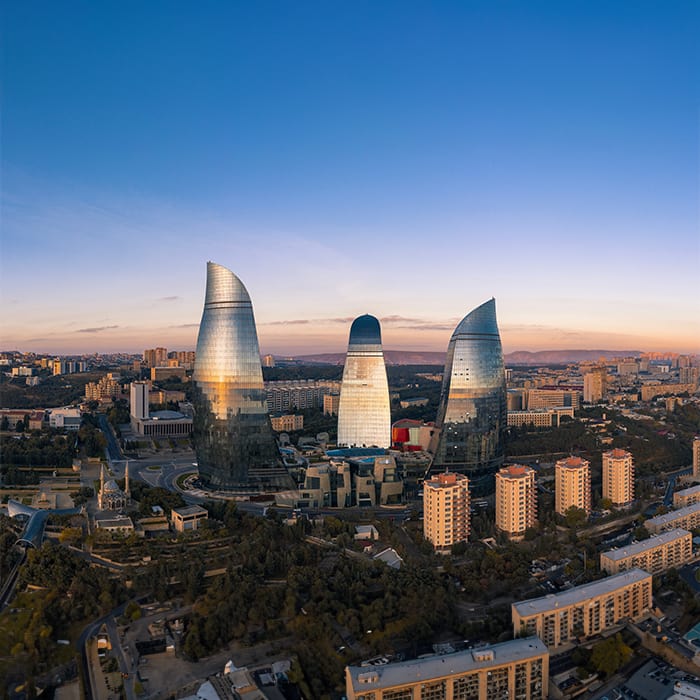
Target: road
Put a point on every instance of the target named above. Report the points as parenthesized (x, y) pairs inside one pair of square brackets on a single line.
[(9, 588)]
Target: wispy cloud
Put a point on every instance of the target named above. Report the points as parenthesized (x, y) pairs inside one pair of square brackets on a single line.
[(173, 298), (96, 329), (185, 325), (293, 322)]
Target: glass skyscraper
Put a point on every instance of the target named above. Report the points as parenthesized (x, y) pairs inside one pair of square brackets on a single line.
[(236, 449), (472, 412), (364, 414)]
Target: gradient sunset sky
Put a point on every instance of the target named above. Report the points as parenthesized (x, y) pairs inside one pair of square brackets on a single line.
[(405, 159)]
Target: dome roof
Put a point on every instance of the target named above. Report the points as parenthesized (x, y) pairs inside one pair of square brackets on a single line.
[(365, 330), (111, 487)]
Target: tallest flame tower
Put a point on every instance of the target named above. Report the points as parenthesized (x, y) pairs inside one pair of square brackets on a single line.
[(236, 449)]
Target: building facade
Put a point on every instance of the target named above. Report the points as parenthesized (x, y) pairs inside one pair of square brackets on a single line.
[(516, 499), (364, 412), (572, 485), (515, 669), (618, 476), (687, 518), (595, 385), (540, 417), (188, 518), (696, 457), (471, 416), (671, 548), (139, 398), (235, 446), (553, 398), (686, 497), (283, 396), (330, 404), (287, 422), (584, 611), (446, 503)]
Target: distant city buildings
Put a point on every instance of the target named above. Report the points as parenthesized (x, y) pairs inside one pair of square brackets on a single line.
[(618, 477), (139, 399), (287, 422), (540, 417), (515, 669), (62, 366), (516, 499), (554, 397), (572, 485), (584, 611), (595, 384), (300, 394), (268, 361), (472, 412), (364, 412), (446, 503), (107, 388), (155, 357), (233, 438), (655, 555)]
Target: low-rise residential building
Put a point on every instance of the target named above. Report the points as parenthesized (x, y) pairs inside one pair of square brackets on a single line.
[(287, 422), (188, 517), (585, 610), (162, 373), (514, 669), (686, 497), (650, 391), (687, 518), (670, 548), (540, 417)]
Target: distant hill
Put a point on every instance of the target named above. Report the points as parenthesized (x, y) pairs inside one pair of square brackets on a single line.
[(519, 357)]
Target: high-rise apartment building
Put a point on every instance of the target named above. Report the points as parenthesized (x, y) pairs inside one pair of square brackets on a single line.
[(364, 412), (696, 457), (233, 438), (572, 485), (595, 384), (268, 361), (618, 476), (516, 499), (139, 400), (446, 510), (472, 411)]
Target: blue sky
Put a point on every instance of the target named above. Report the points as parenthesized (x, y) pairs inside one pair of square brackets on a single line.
[(404, 159)]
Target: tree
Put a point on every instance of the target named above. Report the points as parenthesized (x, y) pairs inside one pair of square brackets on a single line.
[(610, 655), (575, 517)]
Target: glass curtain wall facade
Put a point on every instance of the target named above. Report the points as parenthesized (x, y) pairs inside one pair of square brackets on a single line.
[(364, 414), (472, 412), (236, 449)]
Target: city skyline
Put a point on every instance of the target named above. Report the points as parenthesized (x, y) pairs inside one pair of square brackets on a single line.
[(403, 160)]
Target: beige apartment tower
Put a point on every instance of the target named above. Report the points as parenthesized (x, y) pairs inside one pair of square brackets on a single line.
[(618, 477), (696, 457), (446, 510), (516, 499), (572, 485), (595, 384)]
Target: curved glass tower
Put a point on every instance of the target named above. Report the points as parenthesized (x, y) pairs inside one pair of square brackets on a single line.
[(472, 412), (364, 414), (235, 446)]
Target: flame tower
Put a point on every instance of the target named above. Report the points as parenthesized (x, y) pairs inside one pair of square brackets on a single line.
[(472, 412), (236, 449), (364, 413)]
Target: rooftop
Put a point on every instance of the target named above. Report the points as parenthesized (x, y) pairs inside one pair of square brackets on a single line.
[(366, 678), (479, 321), (579, 594), (617, 453), (190, 510), (572, 462), (644, 545), (689, 491), (365, 330), (515, 471)]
